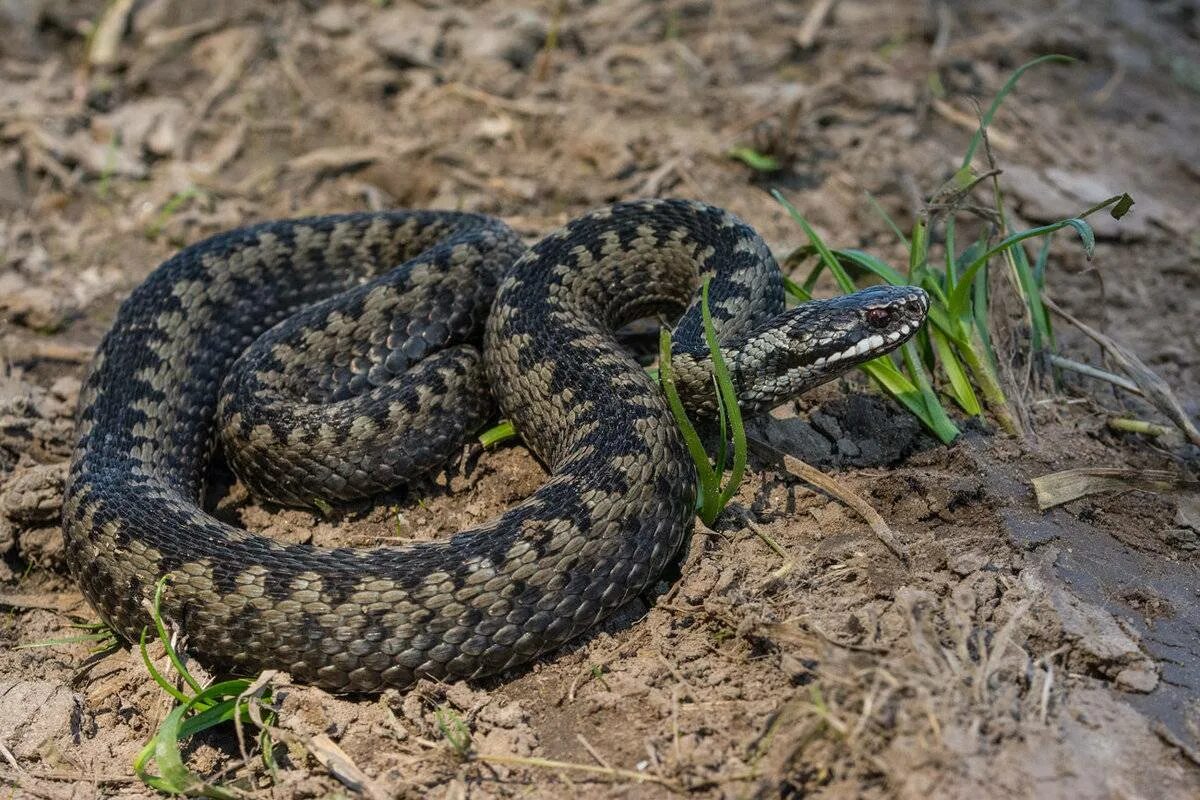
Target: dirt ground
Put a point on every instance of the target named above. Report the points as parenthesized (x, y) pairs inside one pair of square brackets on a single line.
[(1015, 654)]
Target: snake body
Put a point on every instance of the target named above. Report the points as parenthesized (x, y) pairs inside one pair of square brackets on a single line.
[(306, 344)]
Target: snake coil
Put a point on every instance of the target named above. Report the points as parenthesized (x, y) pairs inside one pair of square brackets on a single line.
[(337, 356)]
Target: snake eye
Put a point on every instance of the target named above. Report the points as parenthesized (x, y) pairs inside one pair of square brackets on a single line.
[(879, 317)]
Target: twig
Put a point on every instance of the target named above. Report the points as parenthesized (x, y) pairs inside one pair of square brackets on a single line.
[(789, 563), (225, 80), (1153, 387), (1094, 372), (611, 772), (79, 777), (592, 751), (494, 101), (62, 603), (968, 122), (12, 760), (807, 35), (941, 39), (49, 351), (104, 50), (997, 647), (826, 484), (653, 183), (170, 36), (1128, 425), (288, 65)]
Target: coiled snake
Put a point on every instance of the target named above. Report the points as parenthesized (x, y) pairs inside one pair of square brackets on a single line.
[(371, 322)]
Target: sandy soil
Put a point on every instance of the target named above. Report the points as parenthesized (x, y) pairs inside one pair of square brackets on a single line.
[(1015, 654)]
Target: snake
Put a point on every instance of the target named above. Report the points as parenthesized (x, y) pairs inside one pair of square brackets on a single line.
[(333, 357)]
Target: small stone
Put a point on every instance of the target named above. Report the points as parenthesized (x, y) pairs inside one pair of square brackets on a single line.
[(1187, 512), (42, 546), (848, 448), (516, 39), (406, 38), (334, 19), (795, 437), (1182, 538), (826, 424), (33, 495), (966, 563), (34, 307), (1142, 678), (66, 389), (509, 715), (35, 713)]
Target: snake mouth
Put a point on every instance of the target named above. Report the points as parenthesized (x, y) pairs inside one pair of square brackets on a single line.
[(874, 344), (848, 330)]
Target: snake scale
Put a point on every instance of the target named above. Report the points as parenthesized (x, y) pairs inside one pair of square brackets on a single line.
[(336, 356)]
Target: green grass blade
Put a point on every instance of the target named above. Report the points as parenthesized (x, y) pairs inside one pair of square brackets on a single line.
[(981, 363), (979, 311), (887, 219), (1039, 266), (94, 638), (959, 299), (941, 422), (937, 316), (727, 400), (497, 433), (875, 266), (691, 439), (161, 628), (918, 255), (759, 162), (723, 427), (157, 676), (1039, 328), (850, 259), (827, 257), (1009, 85), (174, 777), (964, 395), (796, 290), (899, 387), (929, 283), (951, 267)]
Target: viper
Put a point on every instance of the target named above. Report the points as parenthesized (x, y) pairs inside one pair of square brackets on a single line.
[(337, 356)]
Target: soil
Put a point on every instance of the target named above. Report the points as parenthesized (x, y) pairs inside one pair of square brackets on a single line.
[(1015, 653)]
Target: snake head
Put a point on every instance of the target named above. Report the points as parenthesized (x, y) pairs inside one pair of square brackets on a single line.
[(816, 341)]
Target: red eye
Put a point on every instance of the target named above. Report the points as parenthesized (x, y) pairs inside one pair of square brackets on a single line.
[(879, 317)]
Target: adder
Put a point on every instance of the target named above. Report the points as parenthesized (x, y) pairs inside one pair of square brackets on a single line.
[(334, 357)]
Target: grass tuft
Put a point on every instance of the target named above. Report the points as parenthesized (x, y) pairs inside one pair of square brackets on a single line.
[(222, 702), (101, 638), (712, 496), (454, 730), (174, 204), (952, 356)]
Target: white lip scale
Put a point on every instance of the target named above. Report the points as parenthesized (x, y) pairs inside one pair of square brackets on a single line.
[(865, 345)]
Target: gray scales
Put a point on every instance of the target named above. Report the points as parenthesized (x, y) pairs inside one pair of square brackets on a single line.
[(337, 356)]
